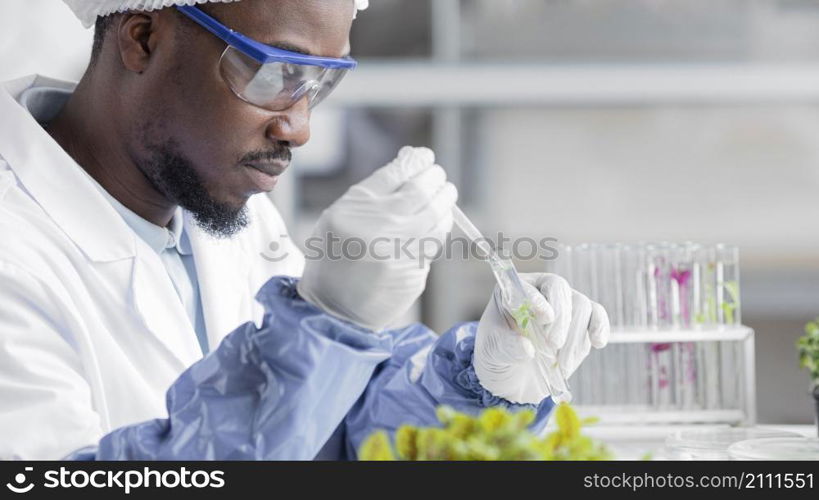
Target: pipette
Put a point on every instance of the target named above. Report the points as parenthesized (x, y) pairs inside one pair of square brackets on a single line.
[(518, 305)]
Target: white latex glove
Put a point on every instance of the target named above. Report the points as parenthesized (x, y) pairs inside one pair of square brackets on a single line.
[(509, 365), (409, 200)]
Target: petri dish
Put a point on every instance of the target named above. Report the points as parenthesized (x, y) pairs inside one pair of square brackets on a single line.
[(713, 444), (776, 449)]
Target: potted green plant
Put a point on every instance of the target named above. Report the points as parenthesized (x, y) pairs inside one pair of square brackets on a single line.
[(496, 434), (808, 346)]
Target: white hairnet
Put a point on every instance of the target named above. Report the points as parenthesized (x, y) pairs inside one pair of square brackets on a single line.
[(88, 10)]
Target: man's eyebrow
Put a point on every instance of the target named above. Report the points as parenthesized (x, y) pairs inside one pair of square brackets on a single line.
[(295, 48)]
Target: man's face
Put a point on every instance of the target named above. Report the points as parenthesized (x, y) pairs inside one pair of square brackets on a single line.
[(200, 145)]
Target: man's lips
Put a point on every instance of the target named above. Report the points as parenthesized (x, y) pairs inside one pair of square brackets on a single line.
[(265, 175), (272, 168)]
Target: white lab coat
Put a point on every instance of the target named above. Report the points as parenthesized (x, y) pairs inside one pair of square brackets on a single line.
[(92, 332)]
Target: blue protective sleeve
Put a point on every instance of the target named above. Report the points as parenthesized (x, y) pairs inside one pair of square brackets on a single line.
[(275, 392), (426, 371)]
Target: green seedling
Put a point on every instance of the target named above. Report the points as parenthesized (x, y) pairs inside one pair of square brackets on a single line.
[(523, 317)]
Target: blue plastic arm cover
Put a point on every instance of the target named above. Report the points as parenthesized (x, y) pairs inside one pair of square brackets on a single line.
[(426, 371), (275, 392)]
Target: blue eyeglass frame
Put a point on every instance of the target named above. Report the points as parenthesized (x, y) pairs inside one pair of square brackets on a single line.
[(261, 52)]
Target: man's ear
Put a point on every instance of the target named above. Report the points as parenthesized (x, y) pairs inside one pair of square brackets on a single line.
[(138, 34)]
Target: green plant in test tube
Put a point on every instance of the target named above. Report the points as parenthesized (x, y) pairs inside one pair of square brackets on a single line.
[(523, 317), (707, 314), (730, 308), (728, 280)]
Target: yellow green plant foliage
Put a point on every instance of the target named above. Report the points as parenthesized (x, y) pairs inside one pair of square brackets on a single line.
[(495, 434), (808, 347)]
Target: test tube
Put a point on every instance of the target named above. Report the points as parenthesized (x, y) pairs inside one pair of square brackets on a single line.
[(696, 287), (650, 270), (696, 324), (682, 297), (707, 264), (706, 318), (657, 276), (681, 290), (635, 303), (662, 275), (610, 270), (635, 313), (728, 315), (728, 301)]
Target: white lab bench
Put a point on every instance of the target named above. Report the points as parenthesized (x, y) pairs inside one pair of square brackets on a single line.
[(632, 442)]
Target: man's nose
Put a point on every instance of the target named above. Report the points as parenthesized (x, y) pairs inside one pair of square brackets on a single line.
[(291, 125)]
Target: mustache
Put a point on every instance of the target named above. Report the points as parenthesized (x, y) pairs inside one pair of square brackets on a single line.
[(280, 154)]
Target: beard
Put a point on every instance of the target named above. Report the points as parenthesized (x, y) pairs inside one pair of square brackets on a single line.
[(174, 175)]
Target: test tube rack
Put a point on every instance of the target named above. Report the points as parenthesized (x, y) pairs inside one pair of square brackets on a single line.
[(744, 413)]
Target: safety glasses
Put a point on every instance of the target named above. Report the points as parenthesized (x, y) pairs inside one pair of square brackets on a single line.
[(268, 77)]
